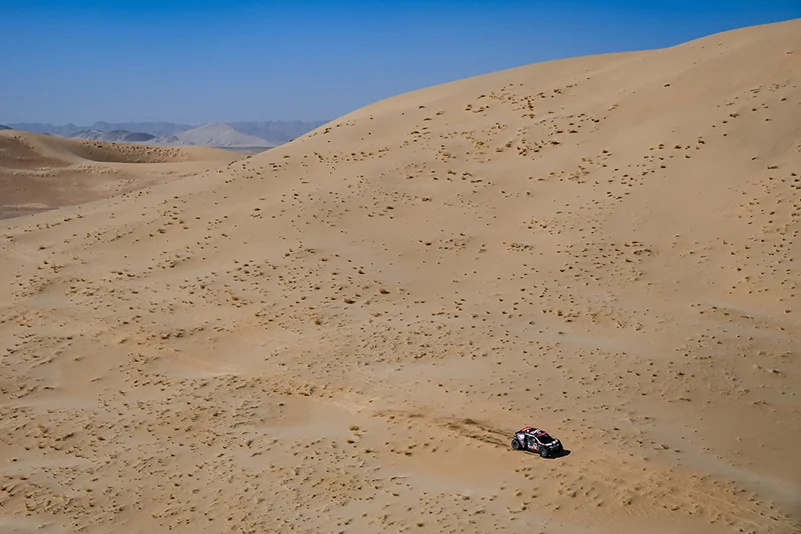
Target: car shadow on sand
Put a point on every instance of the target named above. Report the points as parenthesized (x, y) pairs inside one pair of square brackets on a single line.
[(553, 456)]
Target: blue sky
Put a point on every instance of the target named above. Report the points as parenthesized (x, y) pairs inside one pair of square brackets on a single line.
[(196, 61)]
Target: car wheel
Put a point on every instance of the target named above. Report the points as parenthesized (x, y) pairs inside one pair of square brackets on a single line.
[(543, 452), (516, 445)]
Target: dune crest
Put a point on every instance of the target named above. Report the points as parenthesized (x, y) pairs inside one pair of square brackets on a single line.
[(341, 334), (40, 172)]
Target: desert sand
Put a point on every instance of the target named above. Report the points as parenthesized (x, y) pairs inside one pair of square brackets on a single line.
[(40, 172), (342, 334)]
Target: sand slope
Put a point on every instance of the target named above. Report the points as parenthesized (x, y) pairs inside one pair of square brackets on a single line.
[(39, 172), (341, 334)]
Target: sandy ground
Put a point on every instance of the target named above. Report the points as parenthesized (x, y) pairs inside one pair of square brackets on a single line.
[(342, 333), (39, 172)]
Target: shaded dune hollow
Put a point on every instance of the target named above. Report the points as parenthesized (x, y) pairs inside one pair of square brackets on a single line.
[(41, 172)]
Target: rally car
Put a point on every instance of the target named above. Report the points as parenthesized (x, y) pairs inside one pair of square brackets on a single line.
[(536, 440)]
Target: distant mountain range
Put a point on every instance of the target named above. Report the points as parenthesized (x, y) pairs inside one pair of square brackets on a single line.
[(277, 131), (157, 129), (4, 127), (114, 136), (216, 135), (222, 136), (243, 135)]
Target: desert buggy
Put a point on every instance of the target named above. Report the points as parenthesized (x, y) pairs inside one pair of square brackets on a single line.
[(536, 440)]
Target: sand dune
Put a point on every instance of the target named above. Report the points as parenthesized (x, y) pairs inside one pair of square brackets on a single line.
[(341, 334), (39, 172)]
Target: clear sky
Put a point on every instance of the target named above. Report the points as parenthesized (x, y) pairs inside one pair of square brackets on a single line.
[(197, 61)]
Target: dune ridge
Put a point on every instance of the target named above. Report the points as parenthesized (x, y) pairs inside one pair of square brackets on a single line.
[(341, 334), (40, 172)]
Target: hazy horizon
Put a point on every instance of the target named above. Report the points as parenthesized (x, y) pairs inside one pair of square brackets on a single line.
[(255, 61), (143, 122), (272, 131)]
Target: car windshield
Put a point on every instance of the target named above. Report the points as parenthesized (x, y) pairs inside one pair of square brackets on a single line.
[(544, 438)]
